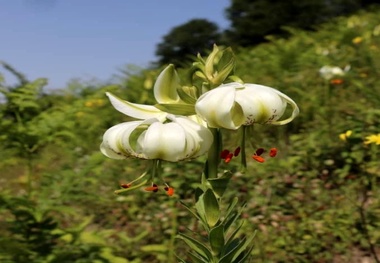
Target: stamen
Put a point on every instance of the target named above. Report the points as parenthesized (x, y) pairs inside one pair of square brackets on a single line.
[(224, 154), (237, 151), (273, 152), (153, 188), (259, 151), (169, 190), (258, 158), (228, 158), (125, 185)]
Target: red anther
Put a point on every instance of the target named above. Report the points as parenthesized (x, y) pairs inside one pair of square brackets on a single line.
[(228, 158), (125, 185), (237, 151), (224, 154), (153, 188), (273, 152), (259, 151), (169, 191), (258, 158), (336, 81)]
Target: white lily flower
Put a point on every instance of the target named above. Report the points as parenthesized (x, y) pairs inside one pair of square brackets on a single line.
[(328, 72), (234, 104), (177, 138)]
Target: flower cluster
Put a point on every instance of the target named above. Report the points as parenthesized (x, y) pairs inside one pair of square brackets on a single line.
[(180, 126)]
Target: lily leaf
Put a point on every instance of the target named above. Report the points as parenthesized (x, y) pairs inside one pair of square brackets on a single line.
[(197, 246), (216, 238), (219, 185), (211, 207)]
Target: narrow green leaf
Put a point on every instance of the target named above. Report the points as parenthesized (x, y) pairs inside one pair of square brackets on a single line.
[(201, 211), (177, 108), (196, 246), (233, 234), (219, 185), (191, 211), (197, 258), (230, 220), (236, 250), (180, 260), (243, 248), (211, 207), (216, 238), (247, 254), (231, 206)]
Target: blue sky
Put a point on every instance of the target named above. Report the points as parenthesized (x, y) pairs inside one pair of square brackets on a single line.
[(91, 39)]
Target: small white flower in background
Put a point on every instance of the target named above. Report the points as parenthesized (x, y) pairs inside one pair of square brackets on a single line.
[(329, 72), (175, 139), (234, 104)]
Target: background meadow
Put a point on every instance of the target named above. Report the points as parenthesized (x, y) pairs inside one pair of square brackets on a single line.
[(318, 201)]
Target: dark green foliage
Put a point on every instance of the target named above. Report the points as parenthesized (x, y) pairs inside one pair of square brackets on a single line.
[(253, 21), (186, 41)]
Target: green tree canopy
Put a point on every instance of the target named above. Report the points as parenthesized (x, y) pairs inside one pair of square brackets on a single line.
[(252, 20), (187, 39)]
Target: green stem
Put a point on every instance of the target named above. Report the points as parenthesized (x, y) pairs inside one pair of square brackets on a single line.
[(29, 176), (174, 226), (213, 158), (242, 150)]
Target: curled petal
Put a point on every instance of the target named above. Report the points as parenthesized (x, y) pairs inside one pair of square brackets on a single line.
[(219, 109), (165, 87), (112, 145), (134, 110)]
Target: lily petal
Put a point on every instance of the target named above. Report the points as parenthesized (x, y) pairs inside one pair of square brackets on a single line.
[(164, 141), (218, 108), (134, 110), (165, 87)]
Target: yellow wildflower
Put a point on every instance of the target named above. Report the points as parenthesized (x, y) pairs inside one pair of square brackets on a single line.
[(357, 40), (374, 138), (345, 135)]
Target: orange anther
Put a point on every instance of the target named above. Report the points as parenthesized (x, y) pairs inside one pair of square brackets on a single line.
[(228, 158), (125, 185), (258, 158), (273, 152), (153, 188), (336, 81), (169, 191)]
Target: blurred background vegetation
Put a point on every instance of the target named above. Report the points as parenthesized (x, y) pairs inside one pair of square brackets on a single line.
[(317, 202)]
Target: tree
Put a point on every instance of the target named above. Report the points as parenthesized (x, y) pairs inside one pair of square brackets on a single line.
[(253, 20), (187, 39)]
